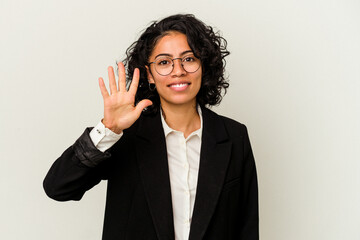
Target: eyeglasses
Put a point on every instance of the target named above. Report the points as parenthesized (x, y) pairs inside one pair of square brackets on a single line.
[(164, 65)]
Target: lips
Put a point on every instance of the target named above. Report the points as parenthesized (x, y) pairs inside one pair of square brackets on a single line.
[(180, 86)]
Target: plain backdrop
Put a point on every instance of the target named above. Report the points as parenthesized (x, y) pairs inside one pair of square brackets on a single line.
[(294, 73)]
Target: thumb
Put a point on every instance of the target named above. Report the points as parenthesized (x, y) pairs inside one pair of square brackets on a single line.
[(141, 105)]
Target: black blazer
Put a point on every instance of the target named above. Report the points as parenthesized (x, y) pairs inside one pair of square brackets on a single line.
[(138, 203)]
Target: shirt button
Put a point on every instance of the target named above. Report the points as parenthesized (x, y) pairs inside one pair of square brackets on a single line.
[(98, 131), (187, 192)]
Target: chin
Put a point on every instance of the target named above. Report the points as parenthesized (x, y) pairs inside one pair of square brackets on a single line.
[(180, 101)]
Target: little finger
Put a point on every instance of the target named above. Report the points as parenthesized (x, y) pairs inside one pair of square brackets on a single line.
[(103, 89)]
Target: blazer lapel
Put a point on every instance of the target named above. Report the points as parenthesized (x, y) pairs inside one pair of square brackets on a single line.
[(154, 171), (214, 159)]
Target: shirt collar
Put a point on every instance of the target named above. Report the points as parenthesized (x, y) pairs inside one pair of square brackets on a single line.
[(168, 130)]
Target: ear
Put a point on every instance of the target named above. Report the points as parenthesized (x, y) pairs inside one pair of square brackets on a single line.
[(149, 75)]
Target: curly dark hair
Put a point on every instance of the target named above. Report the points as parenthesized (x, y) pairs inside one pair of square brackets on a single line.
[(206, 45)]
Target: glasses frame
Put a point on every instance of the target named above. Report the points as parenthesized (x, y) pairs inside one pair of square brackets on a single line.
[(172, 60)]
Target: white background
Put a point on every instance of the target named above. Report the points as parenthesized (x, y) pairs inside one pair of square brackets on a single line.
[(294, 73)]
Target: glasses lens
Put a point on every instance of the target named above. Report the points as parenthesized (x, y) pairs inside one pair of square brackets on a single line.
[(163, 65), (191, 63)]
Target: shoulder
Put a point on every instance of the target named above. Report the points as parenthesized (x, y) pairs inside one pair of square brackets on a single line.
[(146, 126), (233, 127)]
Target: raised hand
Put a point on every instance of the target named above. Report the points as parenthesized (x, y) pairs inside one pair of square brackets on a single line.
[(120, 111)]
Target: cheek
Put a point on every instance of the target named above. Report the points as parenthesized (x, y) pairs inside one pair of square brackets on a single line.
[(160, 82), (199, 79), (199, 76)]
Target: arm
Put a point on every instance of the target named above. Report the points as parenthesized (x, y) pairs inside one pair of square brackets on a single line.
[(78, 169), (83, 165), (250, 226)]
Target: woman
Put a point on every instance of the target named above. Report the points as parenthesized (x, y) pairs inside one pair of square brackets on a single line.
[(175, 169)]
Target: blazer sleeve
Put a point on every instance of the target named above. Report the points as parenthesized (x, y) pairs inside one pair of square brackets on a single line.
[(250, 226), (78, 169)]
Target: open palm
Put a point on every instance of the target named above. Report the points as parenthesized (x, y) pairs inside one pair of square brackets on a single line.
[(120, 111)]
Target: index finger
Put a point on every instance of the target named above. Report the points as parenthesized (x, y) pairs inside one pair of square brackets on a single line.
[(135, 81)]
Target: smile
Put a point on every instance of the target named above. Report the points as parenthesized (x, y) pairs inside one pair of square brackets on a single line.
[(179, 86)]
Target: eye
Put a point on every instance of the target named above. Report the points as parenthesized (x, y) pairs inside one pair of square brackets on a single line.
[(163, 62), (189, 59)]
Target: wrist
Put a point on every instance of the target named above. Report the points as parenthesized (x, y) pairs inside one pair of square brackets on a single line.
[(111, 126)]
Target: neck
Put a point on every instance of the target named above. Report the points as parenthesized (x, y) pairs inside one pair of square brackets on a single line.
[(183, 118)]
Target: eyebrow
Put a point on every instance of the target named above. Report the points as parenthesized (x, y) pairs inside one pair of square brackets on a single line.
[(170, 55)]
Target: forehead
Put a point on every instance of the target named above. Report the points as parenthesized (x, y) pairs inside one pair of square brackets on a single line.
[(172, 44)]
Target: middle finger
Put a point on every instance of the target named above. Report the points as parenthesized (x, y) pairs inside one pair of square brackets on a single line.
[(122, 77)]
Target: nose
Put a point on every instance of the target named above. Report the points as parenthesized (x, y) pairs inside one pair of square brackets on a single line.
[(178, 69)]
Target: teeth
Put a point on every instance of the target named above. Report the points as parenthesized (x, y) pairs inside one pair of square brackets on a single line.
[(179, 85)]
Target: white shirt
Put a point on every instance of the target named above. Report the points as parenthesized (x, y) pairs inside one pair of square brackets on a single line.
[(183, 160)]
